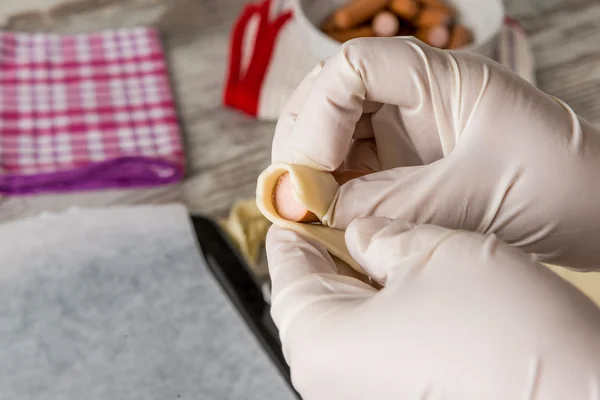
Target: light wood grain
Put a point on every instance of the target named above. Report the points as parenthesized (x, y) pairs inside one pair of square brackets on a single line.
[(226, 150), (566, 44)]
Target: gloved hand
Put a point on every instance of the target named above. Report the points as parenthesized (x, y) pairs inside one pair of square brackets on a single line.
[(462, 316), (462, 143)]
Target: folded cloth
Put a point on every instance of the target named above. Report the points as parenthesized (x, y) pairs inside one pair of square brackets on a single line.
[(86, 111), (269, 56)]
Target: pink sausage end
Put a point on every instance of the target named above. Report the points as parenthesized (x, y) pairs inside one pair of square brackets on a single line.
[(439, 36), (287, 207), (385, 24)]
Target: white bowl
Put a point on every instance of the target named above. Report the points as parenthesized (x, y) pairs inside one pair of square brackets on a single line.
[(483, 17)]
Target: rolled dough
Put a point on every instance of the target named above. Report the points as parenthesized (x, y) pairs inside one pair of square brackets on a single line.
[(313, 189), (316, 191)]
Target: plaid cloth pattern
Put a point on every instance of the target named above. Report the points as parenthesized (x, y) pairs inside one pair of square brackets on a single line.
[(86, 112)]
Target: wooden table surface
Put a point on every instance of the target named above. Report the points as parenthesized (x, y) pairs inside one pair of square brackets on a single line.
[(226, 150)]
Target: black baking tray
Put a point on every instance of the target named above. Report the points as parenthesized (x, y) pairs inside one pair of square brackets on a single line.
[(242, 287)]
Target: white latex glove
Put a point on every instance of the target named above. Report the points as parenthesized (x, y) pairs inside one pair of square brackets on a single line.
[(462, 316), (462, 142)]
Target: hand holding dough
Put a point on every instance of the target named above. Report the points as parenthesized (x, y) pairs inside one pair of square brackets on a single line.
[(462, 143), (293, 210), (315, 191), (459, 141), (462, 316), (436, 127)]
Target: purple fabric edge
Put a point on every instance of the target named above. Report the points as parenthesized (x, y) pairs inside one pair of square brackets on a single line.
[(124, 172)]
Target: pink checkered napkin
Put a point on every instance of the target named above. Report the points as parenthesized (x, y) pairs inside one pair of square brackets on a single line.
[(86, 112)]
